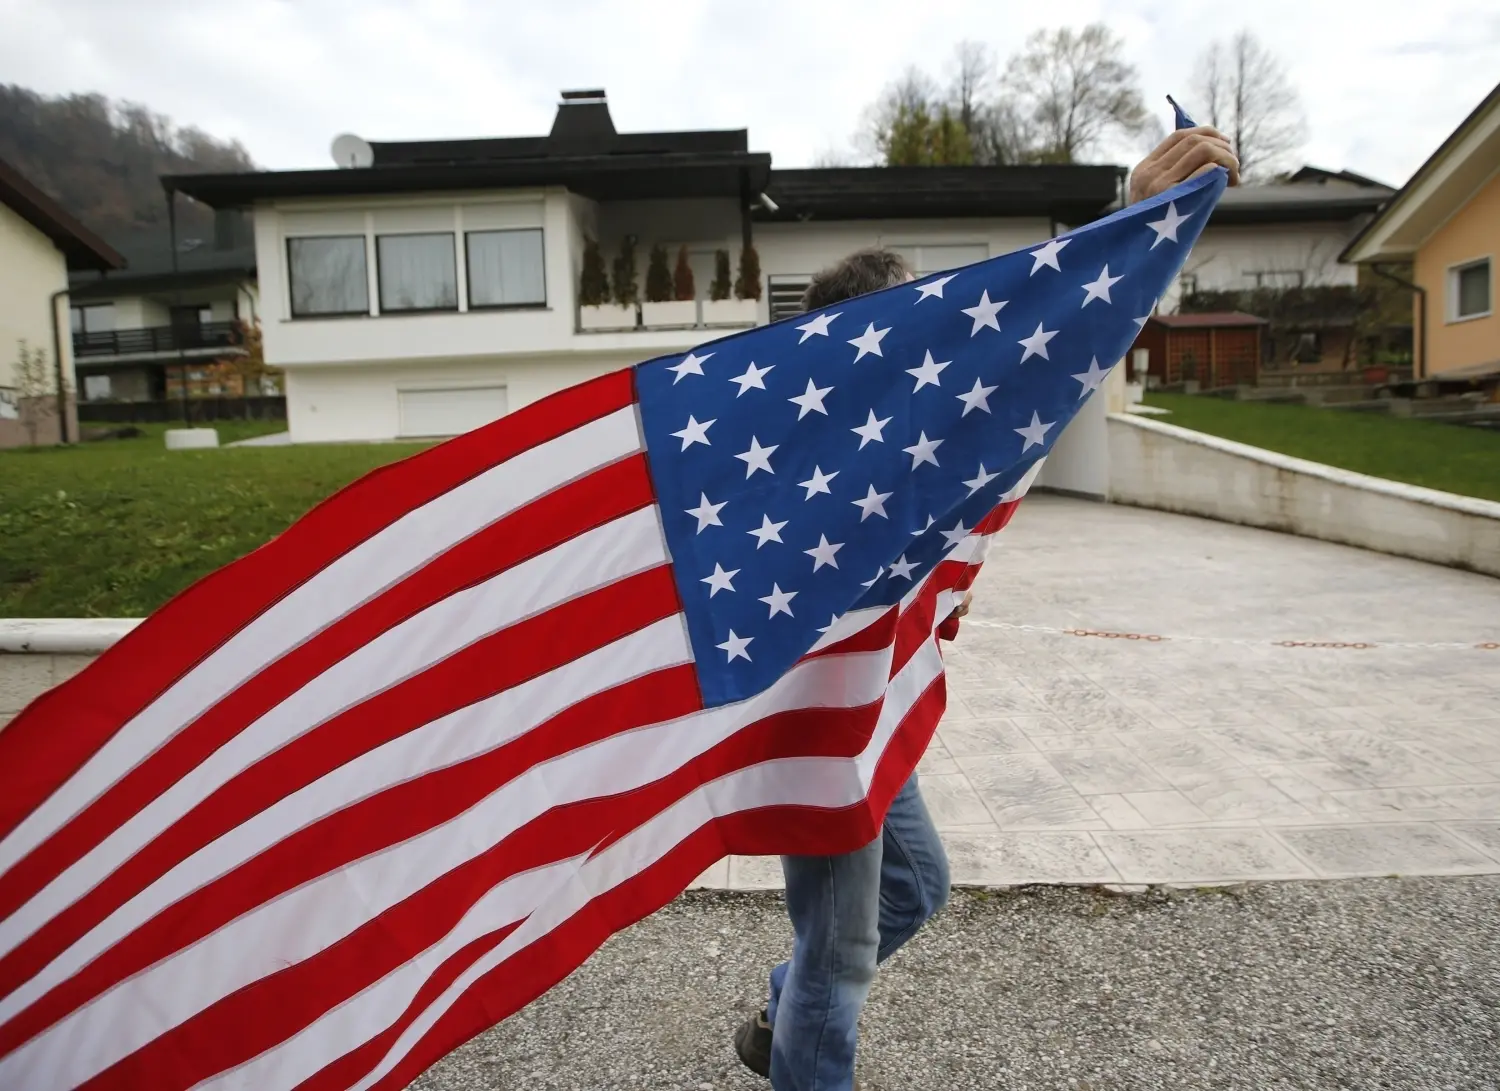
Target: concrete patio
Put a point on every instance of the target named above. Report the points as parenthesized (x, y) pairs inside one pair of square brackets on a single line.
[(1093, 759)]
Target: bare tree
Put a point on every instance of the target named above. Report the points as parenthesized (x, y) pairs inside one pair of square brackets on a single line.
[(1076, 89), (972, 81), (1245, 92), (911, 125), (911, 95)]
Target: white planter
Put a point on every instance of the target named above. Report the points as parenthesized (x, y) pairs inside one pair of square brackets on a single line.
[(186, 439), (731, 312), (677, 313), (610, 316)]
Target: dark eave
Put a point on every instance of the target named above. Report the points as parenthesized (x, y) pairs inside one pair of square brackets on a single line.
[(602, 177), (80, 247), (511, 148), (125, 284), (1292, 210), (1070, 194)]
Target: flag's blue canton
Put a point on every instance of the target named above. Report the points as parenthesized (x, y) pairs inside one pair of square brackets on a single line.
[(830, 460)]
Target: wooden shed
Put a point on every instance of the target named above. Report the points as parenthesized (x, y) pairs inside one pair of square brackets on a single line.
[(1213, 349)]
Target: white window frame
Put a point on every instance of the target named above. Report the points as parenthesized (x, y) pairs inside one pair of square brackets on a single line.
[(1450, 288)]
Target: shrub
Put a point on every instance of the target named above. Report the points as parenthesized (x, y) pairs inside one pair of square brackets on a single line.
[(593, 285), (747, 286), (682, 277), (719, 289)]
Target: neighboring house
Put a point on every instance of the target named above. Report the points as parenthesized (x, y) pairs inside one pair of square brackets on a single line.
[(437, 288), (40, 243), (1445, 222), (1206, 350), (136, 335)]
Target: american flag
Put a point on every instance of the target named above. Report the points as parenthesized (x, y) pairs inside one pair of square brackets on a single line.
[(372, 788)]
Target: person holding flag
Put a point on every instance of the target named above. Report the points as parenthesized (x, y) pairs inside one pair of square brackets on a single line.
[(382, 782)]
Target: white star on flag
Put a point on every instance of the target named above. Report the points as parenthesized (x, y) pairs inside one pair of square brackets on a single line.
[(923, 450), (868, 342), (869, 432), (1166, 227), (691, 365), (707, 514), (1099, 289), (872, 504), (1091, 378), (927, 374), (751, 378), (873, 580), (983, 313), (1034, 433), (901, 568), (823, 552), (810, 400), (757, 458), (767, 532), (924, 530), (817, 483), (818, 326), (719, 580), (779, 601), (956, 535), (694, 432), (933, 288), (736, 646), (832, 621), (980, 480), (1036, 344), (978, 398), (1047, 255)]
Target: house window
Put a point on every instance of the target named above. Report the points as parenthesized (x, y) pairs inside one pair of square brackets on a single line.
[(1469, 290), (786, 295), (328, 275), (506, 268), (95, 318), (417, 273)]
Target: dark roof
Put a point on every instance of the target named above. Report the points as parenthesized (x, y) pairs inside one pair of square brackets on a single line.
[(1207, 319), (1308, 195), (1318, 174), (225, 255), (80, 246), (1072, 194), (583, 152)]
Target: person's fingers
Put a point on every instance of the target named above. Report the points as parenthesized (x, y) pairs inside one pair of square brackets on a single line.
[(1178, 137), (1176, 162), (1193, 159)]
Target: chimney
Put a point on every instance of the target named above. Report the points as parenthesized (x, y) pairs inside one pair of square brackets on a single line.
[(583, 125)]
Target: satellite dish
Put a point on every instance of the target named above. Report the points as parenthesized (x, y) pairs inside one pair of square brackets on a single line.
[(352, 151)]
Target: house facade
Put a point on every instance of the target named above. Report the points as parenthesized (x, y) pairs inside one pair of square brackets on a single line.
[(39, 244), (146, 333), (1445, 224)]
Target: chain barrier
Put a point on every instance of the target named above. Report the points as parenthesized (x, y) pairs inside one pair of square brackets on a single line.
[(1158, 638)]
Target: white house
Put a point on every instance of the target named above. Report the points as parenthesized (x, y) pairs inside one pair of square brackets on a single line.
[(428, 287), (39, 243)]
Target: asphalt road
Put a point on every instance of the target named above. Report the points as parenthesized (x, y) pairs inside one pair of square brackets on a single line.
[(1388, 983)]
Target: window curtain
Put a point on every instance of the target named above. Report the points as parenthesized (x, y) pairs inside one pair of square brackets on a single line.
[(328, 275), (506, 268), (417, 273)]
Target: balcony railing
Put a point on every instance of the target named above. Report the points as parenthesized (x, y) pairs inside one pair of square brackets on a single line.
[(153, 340)]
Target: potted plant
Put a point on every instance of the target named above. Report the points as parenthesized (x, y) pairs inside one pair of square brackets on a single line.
[(1189, 373), (744, 310), (595, 310), (661, 310)]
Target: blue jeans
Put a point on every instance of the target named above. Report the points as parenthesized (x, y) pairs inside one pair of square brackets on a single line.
[(849, 913)]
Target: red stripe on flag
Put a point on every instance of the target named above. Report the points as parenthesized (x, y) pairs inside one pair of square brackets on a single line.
[(59, 731), (581, 506), (378, 821)]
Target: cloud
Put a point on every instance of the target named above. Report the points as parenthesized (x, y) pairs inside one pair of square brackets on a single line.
[(284, 77)]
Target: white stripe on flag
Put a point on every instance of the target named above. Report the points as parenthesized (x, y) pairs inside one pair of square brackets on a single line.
[(371, 567)]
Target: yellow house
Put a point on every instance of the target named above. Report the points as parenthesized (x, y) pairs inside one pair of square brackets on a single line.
[(1446, 222), (39, 244)]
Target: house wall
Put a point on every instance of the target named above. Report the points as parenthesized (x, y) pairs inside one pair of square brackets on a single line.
[(1473, 233), (31, 269), (1225, 257)]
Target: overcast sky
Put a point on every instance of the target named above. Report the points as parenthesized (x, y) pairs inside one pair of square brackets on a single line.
[(1382, 81)]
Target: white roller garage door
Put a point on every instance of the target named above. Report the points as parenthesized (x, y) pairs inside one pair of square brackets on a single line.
[(449, 411)]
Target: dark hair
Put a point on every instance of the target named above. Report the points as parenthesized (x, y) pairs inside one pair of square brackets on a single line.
[(861, 272)]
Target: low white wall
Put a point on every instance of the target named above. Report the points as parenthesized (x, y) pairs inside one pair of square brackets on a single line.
[(1156, 465), (39, 653)]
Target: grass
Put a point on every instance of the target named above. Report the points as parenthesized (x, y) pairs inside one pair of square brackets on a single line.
[(115, 528), (1438, 456), (230, 431)]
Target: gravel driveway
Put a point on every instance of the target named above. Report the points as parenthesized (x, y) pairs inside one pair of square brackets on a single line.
[(1383, 983)]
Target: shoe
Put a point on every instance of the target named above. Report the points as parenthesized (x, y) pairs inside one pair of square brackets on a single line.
[(752, 1041)]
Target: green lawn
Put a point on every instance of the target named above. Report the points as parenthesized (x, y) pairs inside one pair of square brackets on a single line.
[(1439, 456), (115, 528)]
